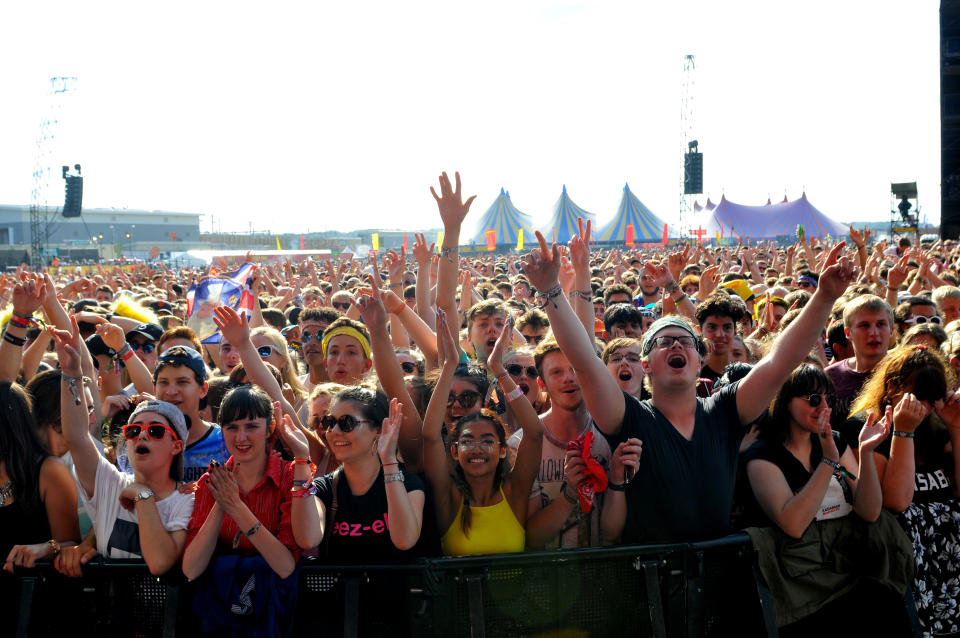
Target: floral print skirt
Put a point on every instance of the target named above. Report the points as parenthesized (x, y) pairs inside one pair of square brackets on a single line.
[(934, 530)]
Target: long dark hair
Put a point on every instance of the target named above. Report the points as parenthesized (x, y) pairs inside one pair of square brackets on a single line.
[(805, 379), (374, 405), (44, 392), (460, 479), (20, 449)]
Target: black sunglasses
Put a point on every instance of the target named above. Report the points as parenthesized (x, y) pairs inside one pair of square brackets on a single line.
[(306, 336), (534, 339), (408, 367), (347, 422), (816, 399), (146, 347), (515, 370), (466, 399), (341, 306), (267, 350)]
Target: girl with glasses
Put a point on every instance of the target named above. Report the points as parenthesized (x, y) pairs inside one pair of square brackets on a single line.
[(482, 507), (918, 468), (814, 497), (272, 348)]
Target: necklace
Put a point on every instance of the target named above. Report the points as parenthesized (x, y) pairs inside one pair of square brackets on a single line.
[(6, 492)]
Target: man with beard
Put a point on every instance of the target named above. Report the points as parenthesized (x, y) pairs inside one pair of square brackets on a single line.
[(313, 321), (682, 450), (554, 518)]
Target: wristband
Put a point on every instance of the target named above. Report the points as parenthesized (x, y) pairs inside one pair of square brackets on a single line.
[(301, 492), (17, 341), (395, 286), (394, 477), (500, 377), (514, 394), (570, 499), (19, 322), (23, 316), (617, 487), (839, 470), (125, 352), (253, 530), (906, 435)]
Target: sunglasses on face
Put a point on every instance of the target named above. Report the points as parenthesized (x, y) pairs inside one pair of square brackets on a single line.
[(347, 422), (515, 370), (147, 348), (469, 445), (466, 399), (155, 431), (267, 350), (306, 336), (341, 305), (921, 319), (408, 367), (816, 399)]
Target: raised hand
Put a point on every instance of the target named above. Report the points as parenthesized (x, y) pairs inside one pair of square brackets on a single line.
[(567, 274), (371, 310), (450, 202), (394, 264), (909, 413), (68, 347), (28, 295), (709, 280), (836, 274), (948, 410), (390, 433), (293, 439), (676, 261), (659, 272), (421, 253), (112, 335), (874, 432), (897, 274), (579, 246), (448, 352), (232, 326), (542, 265), (495, 359)]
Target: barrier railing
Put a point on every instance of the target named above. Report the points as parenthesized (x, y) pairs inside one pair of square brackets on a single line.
[(682, 590)]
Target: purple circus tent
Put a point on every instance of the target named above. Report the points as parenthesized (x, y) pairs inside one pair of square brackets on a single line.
[(775, 220)]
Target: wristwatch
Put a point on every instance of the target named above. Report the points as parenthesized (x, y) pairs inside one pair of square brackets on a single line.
[(143, 495)]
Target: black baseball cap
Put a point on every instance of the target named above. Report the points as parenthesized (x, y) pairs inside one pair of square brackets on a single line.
[(151, 331)]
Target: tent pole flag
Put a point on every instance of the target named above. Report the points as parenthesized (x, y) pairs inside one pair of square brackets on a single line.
[(439, 241), (629, 237), (665, 235), (278, 242), (301, 243), (520, 240), (491, 240), (375, 241), (404, 243)]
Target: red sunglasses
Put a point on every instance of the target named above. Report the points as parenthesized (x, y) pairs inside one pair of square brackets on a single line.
[(155, 431)]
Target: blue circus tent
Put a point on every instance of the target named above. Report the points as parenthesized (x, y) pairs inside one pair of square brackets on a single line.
[(563, 222), (504, 218), (773, 220), (647, 227)]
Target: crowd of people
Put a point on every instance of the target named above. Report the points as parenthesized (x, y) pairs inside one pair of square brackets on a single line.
[(434, 404)]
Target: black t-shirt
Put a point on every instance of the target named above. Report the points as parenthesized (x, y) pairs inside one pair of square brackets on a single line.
[(793, 470), (360, 531), (933, 477), (682, 490)]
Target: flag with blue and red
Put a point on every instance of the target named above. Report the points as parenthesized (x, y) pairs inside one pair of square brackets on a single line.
[(218, 289)]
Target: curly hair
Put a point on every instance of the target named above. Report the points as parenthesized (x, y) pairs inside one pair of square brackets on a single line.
[(920, 369)]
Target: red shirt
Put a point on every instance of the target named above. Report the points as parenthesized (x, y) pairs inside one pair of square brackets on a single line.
[(269, 500)]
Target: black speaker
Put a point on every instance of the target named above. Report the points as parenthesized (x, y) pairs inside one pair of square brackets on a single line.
[(73, 200), (693, 173), (950, 119)]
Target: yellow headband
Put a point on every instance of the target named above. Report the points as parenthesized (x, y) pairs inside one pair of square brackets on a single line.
[(350, 332)]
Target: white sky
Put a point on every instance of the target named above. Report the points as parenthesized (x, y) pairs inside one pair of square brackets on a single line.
[(319, 115)]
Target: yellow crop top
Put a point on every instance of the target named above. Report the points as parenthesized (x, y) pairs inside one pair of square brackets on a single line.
[(493, 530)]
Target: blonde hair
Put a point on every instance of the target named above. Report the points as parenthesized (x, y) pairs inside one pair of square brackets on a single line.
[(289, 371)]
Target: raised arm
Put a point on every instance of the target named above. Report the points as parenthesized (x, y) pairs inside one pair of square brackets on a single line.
[(453, 210), (602, 394), (424, 257), (761, 384), (581, 297), (113, 338), (391, 374), (27, 296), (404, 509)]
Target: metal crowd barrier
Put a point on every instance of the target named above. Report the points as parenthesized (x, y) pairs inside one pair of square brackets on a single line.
[(678, 590)]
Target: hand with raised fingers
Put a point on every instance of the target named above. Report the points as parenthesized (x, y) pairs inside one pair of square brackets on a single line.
[(390, 433), (233, 327), (28, 295), (421, 252), (112, 335), (495, 359), (836, 274), (709, 279), (827, 441), (371, 310), (542, 265), (579, 246), (292, 438), (453, 210), (567, 274), (68, 347), (394, 264), (874, 432)]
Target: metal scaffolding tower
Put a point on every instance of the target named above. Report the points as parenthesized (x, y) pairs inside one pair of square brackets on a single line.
[(41, 218), (686, 136)]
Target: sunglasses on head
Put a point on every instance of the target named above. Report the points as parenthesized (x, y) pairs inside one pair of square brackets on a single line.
[(816, 399), (347, 422), (146, 347), (466, 399), (267, 350), (408, 367), (340, 305), (922, 319), (155, 431), (515, 370)]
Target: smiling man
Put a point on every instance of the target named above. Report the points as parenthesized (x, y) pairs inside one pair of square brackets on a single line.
[(683, 485), (346, 351), (313, 321)]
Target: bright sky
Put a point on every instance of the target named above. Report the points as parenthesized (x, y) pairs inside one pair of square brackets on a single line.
[(297, 116)]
